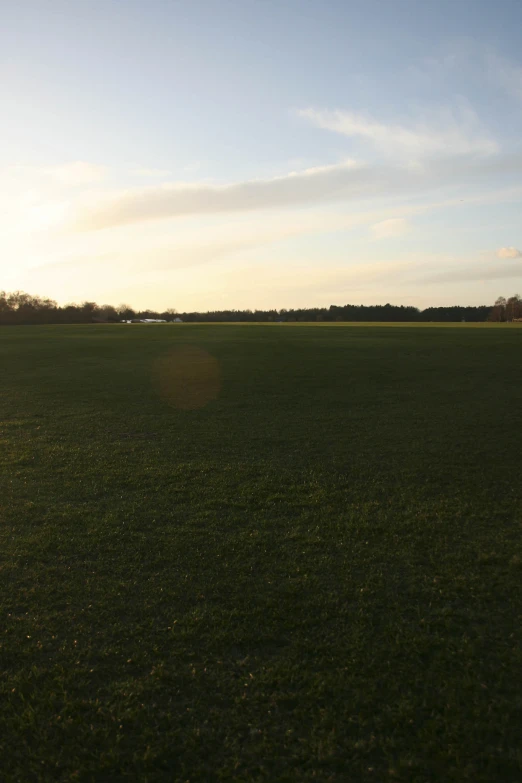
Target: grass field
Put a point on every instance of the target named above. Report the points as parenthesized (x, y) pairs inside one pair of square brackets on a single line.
[(261, 553)]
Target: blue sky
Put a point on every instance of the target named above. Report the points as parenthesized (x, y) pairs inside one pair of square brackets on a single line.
[(254, 154)]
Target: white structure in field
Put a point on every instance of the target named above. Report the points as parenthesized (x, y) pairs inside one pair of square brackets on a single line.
[(152, 321)]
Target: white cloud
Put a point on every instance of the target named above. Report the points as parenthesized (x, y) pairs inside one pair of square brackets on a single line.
[(393, 227), (455, 136), (347, 181), (176, 199), (202, 241), (509, 252)]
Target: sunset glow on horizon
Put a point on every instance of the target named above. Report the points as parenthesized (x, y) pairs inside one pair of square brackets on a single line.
[(210, 155)]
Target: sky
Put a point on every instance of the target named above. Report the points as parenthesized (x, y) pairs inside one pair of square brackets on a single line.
[(211, 154)]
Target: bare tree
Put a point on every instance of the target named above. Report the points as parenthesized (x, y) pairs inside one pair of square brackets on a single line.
[(513, 308), (498, 312)]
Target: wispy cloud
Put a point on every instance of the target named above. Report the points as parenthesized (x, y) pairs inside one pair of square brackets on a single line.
[(177, 199), (347, 181), (225, 239), (454, 136), (393, 227), (509, 252)]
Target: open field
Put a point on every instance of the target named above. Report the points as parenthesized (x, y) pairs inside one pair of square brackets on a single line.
[(261, 554)]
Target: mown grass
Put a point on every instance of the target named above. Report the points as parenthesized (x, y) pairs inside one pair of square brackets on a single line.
[(315, 575)]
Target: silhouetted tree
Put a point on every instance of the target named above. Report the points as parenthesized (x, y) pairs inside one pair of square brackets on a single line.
[(513, 308), (125, 312), (498, 313), (19, 307)]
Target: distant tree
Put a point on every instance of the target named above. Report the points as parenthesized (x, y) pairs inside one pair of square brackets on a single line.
[(19, 307), (88, 310), (125, 312), (107, 313), (4, 306), (513, 308), (498, 313)]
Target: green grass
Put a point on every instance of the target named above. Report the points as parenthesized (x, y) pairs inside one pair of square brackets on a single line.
[(316, 575)]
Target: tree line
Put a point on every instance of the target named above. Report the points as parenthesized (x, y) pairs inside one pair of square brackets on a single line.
[(22, 308), (506, 309)]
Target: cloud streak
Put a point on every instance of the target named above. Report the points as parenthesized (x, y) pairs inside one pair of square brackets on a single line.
[(347, 181), (509, 252), (462, 138), (393, 227)]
